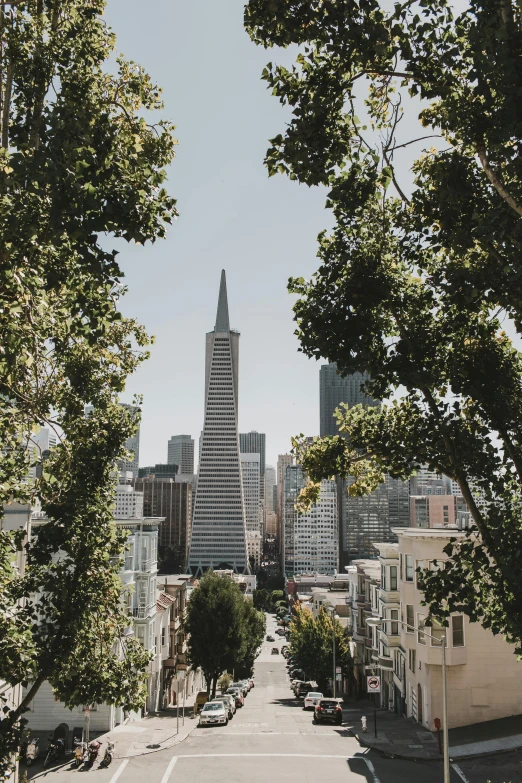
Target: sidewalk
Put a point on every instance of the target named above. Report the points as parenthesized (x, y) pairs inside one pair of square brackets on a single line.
[(152, 733), (405, 738)]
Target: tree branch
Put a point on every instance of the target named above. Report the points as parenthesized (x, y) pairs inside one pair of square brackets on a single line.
[(7, 105), (495, 180), (29, 696)]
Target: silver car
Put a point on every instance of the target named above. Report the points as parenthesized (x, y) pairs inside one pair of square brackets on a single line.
[(214, 713), (228, 699)]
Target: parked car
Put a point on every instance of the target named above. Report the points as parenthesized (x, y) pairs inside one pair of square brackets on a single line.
[(247, 685), (241, 685), (213, 713), (252, 683), (328, 710), (238, 696), (311, 699), (275, 650), (303, 689), (270, 638), (201, 700), (229, 702)]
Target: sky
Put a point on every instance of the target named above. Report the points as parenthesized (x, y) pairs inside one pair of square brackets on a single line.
[(261, 230)]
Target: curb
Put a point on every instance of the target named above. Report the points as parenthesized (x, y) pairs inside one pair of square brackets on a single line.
[(392, 755)]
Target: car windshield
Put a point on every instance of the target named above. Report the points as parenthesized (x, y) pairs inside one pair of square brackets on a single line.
[(213, 706), (314, 695), (328, 703), (232, 691)]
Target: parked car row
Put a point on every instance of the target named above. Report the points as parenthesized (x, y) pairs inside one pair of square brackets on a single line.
[(222, 708)]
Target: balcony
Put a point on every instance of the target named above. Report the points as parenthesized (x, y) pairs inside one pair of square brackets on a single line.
[(129, 564), (147, 565), (142, 612)]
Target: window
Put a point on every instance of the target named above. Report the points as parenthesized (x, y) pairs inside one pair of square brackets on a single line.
[(421, 638), (457, 628), (163, 636), (410, 622), (411, 660), (383, 577), (409, 568), (393, 577), (437, 631), (400, 566), (394, 616)]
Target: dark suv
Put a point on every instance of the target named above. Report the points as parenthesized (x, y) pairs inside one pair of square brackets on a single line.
[(328, 709)]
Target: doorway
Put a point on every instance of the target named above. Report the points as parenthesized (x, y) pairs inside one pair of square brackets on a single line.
[(419, 703)]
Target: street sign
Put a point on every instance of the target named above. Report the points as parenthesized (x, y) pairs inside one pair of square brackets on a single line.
[(338, 670), (339, 677), (373, 684)]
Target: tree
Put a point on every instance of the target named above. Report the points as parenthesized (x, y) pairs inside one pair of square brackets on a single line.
[(171, 560), (215, 625), (415, 280), (253, 631), (311, 646), (79, 165), (261, 600), (277, 595)]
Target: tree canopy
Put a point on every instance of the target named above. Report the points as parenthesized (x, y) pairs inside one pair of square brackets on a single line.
[(311, 646), (224, 629), (81, 165), (421, 275)]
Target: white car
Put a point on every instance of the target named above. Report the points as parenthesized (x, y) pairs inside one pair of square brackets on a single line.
[(213, 713), (311, 699)]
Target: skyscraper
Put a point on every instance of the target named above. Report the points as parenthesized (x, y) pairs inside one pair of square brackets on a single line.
[(283, 461), (311, 541), (181, 452), (254, 443), (218, 528), (166, 498), (270, 482), (250, 470), (334, 389), (365, 519)]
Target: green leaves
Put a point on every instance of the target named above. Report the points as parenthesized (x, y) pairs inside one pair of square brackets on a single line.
[(311, 645)]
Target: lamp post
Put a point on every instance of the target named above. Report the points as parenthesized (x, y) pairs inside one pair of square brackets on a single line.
[(376, 622), (332, 614)]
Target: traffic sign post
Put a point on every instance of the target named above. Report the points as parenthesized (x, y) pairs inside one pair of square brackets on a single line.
[(373, 684)]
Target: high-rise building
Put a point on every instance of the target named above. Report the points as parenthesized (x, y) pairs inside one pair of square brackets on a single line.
[(270, 483), (171, 500), (429, 482), (181, 453), (311, 540), (334, 389), (283, 461), (218, 527), (250, 470), (254, 443), (160, 470), (365, 519), (129, 501)]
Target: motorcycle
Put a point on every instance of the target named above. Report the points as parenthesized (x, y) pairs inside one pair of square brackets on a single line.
[(32, 751), (109, 754), (80, 752), (54, 749), (94, 749)]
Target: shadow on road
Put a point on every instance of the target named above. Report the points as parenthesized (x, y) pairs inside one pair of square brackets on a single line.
[(359, 767)]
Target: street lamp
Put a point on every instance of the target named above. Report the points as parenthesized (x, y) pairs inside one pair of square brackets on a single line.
[(331, 612), (376, 622)]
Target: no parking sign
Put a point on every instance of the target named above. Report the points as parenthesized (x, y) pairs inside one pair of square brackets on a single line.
[(373, 684)]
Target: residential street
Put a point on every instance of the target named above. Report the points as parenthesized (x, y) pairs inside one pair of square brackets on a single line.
[(271, 738)]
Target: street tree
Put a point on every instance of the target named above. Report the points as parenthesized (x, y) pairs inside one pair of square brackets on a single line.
[(262, 600), (80, 166), (421, 272), (311, 646), (253, 633), (215, 624)]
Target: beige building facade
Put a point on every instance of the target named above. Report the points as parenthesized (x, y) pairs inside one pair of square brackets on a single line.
[(483, 673)]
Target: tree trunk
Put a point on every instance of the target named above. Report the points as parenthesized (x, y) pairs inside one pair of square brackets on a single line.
[(214, 684)]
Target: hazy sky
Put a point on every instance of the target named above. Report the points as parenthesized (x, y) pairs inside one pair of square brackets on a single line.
[(232, 216)]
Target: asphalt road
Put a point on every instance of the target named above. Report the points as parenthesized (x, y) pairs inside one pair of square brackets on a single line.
[(270, 739)]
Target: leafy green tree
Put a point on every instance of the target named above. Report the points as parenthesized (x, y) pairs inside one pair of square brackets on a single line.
[(276, 582), (215, 625), (262, 600), (421, 272), (311, 646), (80, 165), (224, 682), (277, 595), (253, 631)]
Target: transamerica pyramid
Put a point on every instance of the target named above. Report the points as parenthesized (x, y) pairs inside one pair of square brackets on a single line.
[(218, 526)]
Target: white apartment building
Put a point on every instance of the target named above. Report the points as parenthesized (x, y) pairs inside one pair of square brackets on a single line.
[(139, 577), (251, 479), (311, 540), (129, 502), (483, 673)]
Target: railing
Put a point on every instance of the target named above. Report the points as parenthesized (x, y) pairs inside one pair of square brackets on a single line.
[(146, 565), (141, 612), (129, 564)]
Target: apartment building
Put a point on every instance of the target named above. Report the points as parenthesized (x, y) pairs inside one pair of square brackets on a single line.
[(483, 673)]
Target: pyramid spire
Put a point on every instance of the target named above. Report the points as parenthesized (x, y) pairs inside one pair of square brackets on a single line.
[(222, 322)]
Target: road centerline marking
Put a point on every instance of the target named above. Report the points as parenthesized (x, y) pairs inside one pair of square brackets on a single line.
[(119, 771), (168, 771)]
